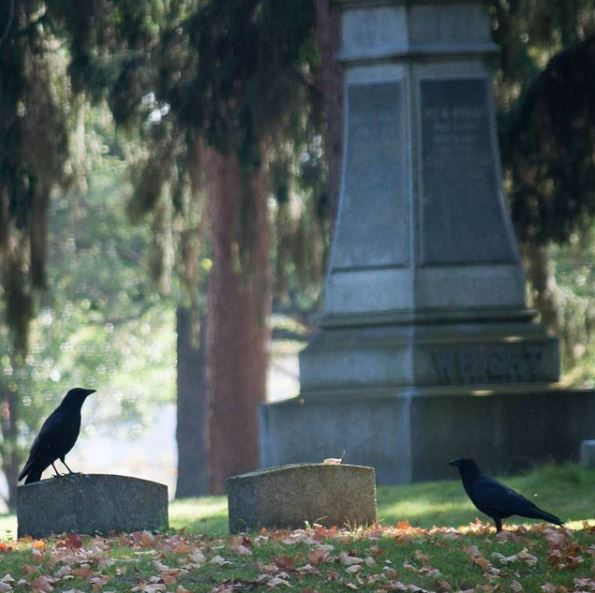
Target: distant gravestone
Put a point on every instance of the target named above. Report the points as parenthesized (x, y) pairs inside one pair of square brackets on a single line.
[(588, 454), (291, 495), (90, 503)]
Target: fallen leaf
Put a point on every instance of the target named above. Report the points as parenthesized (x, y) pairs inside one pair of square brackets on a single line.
[(42, 583), (219, 561), (242, 550), (316, 556), (276, 582), (63, 571), (72, 540), (198, 557), (347, 560), (82, 571)]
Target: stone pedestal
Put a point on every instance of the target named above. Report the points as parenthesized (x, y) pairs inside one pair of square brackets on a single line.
[(291, 495), (91, 503), (425, 294)]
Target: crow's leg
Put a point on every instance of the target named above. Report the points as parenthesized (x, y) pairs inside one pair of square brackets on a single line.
[(58, 474), (498, 523), (63, 460)]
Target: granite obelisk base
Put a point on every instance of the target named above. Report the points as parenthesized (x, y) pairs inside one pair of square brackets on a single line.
[(411, 438), (91, 503)]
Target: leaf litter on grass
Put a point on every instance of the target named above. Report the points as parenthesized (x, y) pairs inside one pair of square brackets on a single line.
[(377, 559)]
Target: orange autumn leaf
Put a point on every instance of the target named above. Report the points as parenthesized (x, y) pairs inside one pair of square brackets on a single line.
[(403, 524), (73, 541), (183, 548), (82, 571), (316, 556)]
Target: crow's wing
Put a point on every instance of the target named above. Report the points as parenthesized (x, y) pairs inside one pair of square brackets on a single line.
[(490, 494), (50, 433)]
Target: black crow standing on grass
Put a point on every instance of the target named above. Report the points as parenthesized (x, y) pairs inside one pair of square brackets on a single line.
[(496, 500), (57, 436)]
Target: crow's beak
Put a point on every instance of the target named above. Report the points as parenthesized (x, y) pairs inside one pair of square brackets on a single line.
[(454, 462)]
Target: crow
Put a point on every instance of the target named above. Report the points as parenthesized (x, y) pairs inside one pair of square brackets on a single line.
[(496, 500), (57, 436)]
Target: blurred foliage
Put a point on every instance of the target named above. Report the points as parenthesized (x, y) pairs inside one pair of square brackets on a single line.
[(103, 325), (545, 87), (574, 273)]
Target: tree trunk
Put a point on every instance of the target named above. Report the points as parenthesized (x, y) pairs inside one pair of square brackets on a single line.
[(328, 36), (10, 456), (191, 430), (238, 310)]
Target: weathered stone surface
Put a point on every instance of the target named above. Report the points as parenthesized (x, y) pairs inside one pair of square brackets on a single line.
[(91, 503), (290, 495), (411, 438), (463, 218), (373, 219), (588, 454)]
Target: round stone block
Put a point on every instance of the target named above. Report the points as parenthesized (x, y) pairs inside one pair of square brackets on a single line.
[(291, 495), (90, 503)]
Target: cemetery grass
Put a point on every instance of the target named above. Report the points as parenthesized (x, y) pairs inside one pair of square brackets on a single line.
[(403, 553)]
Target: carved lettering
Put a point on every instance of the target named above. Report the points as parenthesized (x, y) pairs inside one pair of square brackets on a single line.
[(495, 364)]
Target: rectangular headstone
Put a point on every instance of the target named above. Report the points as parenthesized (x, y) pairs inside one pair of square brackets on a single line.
[(291, 495), (91, 503)]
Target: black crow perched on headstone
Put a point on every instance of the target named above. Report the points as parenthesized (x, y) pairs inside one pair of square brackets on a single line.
[(496, 500), (57, 436)]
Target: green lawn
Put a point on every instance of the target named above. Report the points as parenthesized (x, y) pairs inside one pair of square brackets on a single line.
[(198, 555), (566, 490)]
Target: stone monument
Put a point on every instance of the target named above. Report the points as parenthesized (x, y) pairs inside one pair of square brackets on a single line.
[(426, 348), (293, 495), (91, 503)]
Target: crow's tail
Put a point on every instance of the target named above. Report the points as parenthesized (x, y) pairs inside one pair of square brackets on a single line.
[(541, 514), (33, 476)]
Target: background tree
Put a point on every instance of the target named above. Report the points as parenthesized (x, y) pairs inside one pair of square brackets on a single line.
[(545, 86)]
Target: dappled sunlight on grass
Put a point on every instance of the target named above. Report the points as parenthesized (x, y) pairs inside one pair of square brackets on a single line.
[(8, 527), (207, 514)]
